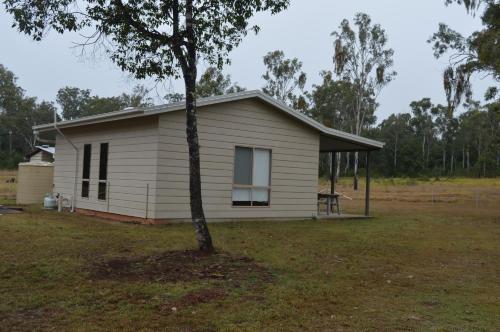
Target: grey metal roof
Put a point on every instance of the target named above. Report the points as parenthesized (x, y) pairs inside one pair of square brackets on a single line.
[(349, 142), (46, 148)]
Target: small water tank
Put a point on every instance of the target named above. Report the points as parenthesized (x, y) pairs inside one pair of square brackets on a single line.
[(49, 202), (34, 180)]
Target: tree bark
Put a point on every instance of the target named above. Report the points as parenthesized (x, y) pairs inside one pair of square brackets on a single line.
[(423, 150), (339, 161), (347, 162), (395, 153), (463, 156), (452, 161), (197, 214), (444, 160)]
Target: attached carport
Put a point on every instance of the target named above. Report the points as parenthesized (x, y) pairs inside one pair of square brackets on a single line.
[(333, 141)]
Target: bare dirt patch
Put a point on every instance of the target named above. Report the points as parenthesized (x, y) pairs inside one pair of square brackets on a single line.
[(197, 297), (28, 319), (174, 266)]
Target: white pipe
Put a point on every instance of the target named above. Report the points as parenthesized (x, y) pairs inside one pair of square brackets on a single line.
[(73, 205)]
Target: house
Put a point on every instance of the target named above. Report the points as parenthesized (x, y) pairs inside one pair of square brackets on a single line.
[(42, 153), (259, 159)]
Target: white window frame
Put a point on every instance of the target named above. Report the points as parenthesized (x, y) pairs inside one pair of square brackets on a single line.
[(243, 186)]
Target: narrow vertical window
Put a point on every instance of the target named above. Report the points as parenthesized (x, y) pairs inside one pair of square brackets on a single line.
[(252, 174), (103, 172), (87, 153)]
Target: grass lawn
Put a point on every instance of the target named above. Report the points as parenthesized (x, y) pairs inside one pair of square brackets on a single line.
[(7, 185), (415, 266)]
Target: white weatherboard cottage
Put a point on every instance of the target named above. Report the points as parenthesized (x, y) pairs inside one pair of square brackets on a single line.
[(259, 159)]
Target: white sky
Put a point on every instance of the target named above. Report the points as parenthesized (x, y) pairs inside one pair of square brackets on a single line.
[(302, 31)]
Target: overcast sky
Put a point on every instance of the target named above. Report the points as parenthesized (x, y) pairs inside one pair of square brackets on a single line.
[(302, 31)]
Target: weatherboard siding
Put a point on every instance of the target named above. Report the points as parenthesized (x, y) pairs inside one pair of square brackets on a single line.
[(132, 165), (294, 170)]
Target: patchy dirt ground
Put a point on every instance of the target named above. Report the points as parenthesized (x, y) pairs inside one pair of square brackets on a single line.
[(175, 266), (416, 266)]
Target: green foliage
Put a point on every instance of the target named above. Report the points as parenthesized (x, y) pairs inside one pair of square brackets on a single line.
[(480, 52), (283, 78), (10, 160), (18, 113), (333, 103), (429, 142), (213, 83), (149, 37), (76, 103), (362, 56)]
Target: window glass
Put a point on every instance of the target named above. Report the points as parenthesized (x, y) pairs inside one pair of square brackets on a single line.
[(85, 188), (243, 166), (101, 191), (261, 163), (260, 195), (87, 153), (103, 162), (241, 196)]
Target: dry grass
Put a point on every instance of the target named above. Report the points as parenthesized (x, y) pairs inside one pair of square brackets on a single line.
[(462, 194), (417, 266)]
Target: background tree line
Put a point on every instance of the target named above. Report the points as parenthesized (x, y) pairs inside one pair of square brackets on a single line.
[(428, 139)]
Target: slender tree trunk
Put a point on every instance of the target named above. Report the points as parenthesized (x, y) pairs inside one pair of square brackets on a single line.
[(428, 153), (452, 159), (395, 161), (468, 160), (444, 161), (347, 162), (463, 156), (197, 214), (423, 151), (339, 161)]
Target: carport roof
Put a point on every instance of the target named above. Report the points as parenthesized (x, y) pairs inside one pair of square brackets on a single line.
[(331, 140)]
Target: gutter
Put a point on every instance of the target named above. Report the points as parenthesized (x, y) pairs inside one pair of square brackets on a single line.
[(73, 205)]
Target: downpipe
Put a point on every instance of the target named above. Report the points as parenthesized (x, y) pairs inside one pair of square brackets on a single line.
[(73, 205)]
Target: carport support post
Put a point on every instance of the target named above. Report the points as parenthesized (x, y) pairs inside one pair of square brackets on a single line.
[(333, 159), (367, 194)]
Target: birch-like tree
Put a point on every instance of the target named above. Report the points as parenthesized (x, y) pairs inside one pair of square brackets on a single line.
[(285, 79), (154, 38), (362, 58)]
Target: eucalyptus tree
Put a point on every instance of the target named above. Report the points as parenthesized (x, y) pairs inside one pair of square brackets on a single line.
[(479, 52), (329, 104), (18, 113), (76, 103), (214, 83), (423, 124), (285, 79), (154, 38), (362, 58), (396, 126)]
